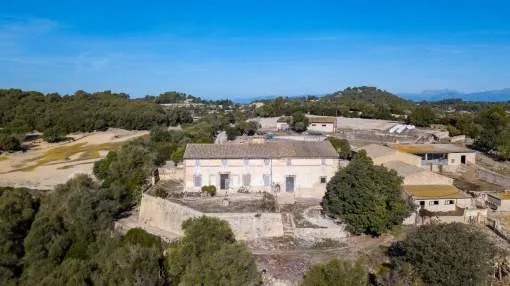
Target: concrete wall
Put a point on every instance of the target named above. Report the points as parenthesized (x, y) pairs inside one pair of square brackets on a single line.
[(322, 127), (282, 126), (427, 178), (316, 234), (307, 173), (398, 156), (454, 159), (492, 177), (169, 216)]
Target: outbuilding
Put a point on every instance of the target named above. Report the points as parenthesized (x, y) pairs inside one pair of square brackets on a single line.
[(439, 157), (322, 124)]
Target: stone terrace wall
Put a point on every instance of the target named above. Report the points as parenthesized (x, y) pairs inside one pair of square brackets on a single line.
[(492, 177), (169, 216)]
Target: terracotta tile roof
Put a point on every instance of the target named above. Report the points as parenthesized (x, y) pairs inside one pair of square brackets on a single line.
[(434, 192), (431, 148), (267, 150), (322, 119)]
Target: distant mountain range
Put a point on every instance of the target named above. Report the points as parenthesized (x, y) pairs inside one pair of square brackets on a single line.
[(434, 95)]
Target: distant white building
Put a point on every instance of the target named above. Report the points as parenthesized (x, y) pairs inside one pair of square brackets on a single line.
[(282, 123), (322, 124)]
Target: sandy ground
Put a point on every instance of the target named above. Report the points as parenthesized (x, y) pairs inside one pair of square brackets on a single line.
[(47, 175)]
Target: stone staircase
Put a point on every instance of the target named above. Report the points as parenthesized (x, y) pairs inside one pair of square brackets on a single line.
[(288, 224)]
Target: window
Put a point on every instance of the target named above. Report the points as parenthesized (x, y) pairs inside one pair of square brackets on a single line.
[(267, 180), (324, 180), (246, 180), (224, 163), (197, 163), (289, 162), (323, 162), (450, 202), (266, 162), (434, 203), (246, 162), (323, 125), (422, 203), (313, 124), (197, 181)]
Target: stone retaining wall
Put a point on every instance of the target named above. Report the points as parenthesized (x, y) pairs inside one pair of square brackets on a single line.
[(169, 216), (492, 177)]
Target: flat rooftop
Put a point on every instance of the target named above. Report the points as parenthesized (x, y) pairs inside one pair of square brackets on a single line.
[(431, 148), (434, 192)]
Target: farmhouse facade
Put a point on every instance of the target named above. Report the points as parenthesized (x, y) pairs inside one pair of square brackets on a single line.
[(299, 168)]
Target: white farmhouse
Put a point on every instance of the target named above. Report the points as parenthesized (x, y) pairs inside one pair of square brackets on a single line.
[(296, 168)]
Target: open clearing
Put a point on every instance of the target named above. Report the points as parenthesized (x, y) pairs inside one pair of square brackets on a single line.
[(46, 165)]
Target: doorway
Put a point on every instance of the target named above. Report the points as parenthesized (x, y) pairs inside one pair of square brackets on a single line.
[(224, 181), (289, 184), (463, 159)]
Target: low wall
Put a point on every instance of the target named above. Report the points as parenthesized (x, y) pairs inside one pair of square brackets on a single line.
[(169, 216), (492, 177), (315, 234)]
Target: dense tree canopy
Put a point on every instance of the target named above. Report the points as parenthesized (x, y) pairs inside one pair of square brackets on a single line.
[(336, 272), (22, 111), (209, 255), (367, 197), (422, 116), (446, 254), (17, 212), (299, 122)]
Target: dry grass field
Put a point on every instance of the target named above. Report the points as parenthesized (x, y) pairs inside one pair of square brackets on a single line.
[(45, 165)]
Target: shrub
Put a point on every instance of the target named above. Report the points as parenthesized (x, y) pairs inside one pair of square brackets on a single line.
[(446, 254), (160, 192), (141, 237), (268, 202), (210, 190), (336, 272)]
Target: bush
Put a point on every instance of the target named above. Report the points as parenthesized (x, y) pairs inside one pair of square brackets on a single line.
[(140, 237), (210, 190), (9, 142), (446, 254), (160, 192), (54, 134), (336, 272), (268, 202)]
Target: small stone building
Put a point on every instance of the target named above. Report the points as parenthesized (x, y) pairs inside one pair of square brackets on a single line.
[(282, 123), (322, 124), (437, 198), (438, 157), (297, 168), (499, 202)]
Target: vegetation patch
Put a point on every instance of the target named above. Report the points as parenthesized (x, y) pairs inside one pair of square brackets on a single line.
[(3, 158), (62, 153)]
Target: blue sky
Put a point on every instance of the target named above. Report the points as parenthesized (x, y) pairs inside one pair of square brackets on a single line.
[(242, 49)]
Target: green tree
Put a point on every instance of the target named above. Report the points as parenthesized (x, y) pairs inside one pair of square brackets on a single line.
[(446, 254), (9, 142), (367, 197), (342, 146), (17, 212), (422, 116), (54, 134), (299, 122), (336, 272), (209, 255)]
